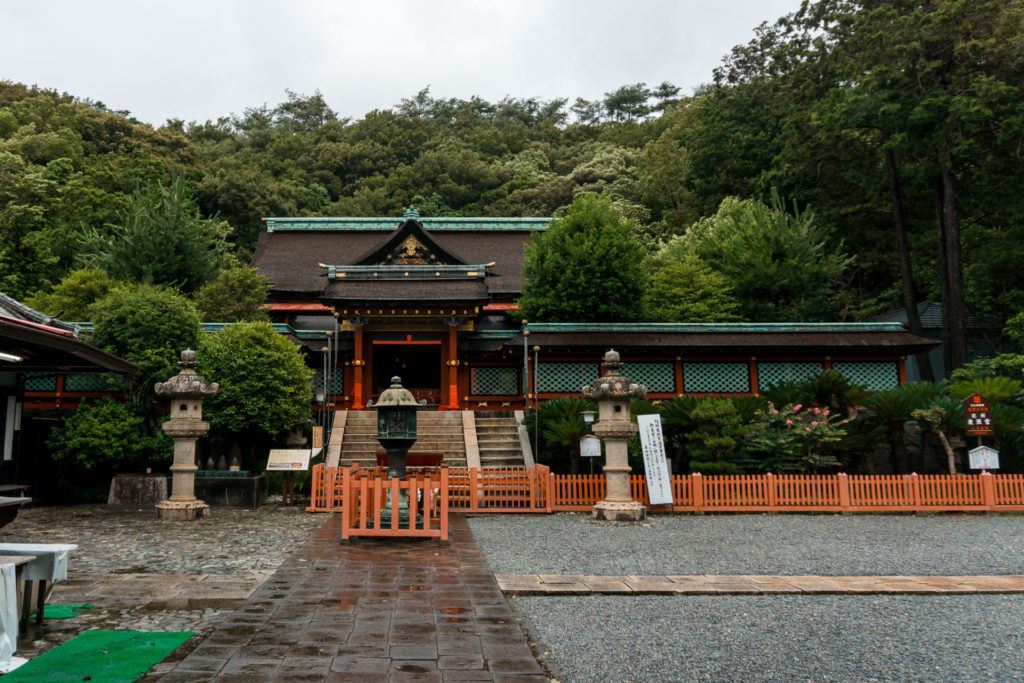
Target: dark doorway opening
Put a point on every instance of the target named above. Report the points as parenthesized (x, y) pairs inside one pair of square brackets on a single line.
[(419, 366)]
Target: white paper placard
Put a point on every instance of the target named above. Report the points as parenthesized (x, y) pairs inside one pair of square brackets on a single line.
[(590, 446), (289, 460), (984, 458), (652, 442)]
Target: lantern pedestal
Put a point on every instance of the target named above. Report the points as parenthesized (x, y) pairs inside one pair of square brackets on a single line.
[(610, 511), (184, 511)]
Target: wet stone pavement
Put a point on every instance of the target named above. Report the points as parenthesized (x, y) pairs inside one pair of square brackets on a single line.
[(369, 611)]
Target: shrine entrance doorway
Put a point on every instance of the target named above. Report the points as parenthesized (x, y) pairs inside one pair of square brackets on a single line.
[(416, 361)]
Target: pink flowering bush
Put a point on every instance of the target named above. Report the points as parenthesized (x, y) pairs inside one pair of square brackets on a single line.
[(794, 439)]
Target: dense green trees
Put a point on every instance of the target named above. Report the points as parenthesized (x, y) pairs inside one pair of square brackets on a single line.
[(900, 123), (585, 268), (237, 295)]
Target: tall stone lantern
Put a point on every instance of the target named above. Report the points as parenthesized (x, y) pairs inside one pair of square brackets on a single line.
[(186, 392), (612, 392)]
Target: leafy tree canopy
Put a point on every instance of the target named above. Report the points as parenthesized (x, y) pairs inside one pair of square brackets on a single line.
[(685, 289), (264, 382), (237, 295), (72, 299), (584, 268)]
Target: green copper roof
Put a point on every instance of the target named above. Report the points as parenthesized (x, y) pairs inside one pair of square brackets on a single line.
[(690, 328), (440, 224)]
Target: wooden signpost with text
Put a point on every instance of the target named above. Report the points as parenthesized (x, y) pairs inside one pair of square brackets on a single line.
[(979, 416)]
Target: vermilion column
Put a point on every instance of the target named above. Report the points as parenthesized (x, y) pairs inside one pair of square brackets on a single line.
[(453, 367), (357, 370)]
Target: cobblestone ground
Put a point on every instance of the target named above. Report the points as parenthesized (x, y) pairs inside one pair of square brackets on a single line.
[(133, 541), (113, 543)]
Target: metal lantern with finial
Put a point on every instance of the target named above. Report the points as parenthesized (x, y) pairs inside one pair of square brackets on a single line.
[(396, 424)]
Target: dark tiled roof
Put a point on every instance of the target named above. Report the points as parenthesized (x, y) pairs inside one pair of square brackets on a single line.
[(426, 291), (290, 259)]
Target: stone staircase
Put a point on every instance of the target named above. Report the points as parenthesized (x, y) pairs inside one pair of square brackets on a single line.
[(498, 440), (439, 432), (487, 439)]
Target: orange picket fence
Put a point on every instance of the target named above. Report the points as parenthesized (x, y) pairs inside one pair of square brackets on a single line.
[(367, 498), (536, 489)]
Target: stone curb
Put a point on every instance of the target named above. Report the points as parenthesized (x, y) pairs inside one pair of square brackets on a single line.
[(588, 584)]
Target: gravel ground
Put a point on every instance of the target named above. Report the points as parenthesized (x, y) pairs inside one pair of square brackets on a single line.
[(230, 541), (780, 638), (754, 544)]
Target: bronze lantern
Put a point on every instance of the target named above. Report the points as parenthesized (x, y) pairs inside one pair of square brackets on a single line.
[(396, 425)]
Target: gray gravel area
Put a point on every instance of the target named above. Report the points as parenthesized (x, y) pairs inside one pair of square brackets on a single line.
[(754, 544), (230, 541), (779, 638)]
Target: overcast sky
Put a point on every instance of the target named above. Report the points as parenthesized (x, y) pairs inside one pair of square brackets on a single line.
[(200, 59)]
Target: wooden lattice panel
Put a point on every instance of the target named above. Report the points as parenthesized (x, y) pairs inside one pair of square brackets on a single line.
[(716, 378)]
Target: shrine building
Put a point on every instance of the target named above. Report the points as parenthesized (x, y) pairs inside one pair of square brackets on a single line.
[(433, 300)]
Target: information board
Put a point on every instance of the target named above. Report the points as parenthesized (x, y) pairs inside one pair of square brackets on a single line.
[(289, 459), (984, 458), (979, 416), (652, 442), (590, 446)]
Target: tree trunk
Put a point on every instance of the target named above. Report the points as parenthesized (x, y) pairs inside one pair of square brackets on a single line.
[(924, 362), (954, 315), (940, 225), (898, 456), (950, 453)]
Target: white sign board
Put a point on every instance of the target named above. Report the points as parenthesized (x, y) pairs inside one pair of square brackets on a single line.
[(289, 460), (652, 442), (984, 458), (590, 446)]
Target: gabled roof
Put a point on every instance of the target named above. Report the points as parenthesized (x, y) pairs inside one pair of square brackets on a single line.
[(410, 244), (431, 223)]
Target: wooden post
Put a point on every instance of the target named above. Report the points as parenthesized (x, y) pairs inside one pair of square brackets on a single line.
[(678, 369), (453, 367), (346, 502), (357, 370), (844, 493), (697, 486), (755, 389), (902, 364), (770, 493), (444, 503), (474, 499), (915, 492), (988, 491)]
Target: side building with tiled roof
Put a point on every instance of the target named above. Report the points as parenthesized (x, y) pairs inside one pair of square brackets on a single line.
[(432, 300)]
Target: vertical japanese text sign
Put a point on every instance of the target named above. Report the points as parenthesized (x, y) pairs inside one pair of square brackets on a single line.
[(979, 416), (652, 442)]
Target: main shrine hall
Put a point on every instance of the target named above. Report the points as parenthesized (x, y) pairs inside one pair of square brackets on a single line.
[(433, 300)]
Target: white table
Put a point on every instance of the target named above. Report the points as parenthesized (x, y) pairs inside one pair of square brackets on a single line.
[(49, 564)]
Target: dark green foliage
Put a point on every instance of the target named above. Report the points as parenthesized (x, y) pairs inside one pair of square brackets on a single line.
[(585, 268), (149, 326), (72, 299), (687, 290), (107, 435), (264, 383), (160, 238), (561, 426), (238, 294)]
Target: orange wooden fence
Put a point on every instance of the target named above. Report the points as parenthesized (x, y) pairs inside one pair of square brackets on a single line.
[(536, 489), (365, 495)]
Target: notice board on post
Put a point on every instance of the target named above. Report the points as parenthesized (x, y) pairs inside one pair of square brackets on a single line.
[(652, 442), (289, 459)]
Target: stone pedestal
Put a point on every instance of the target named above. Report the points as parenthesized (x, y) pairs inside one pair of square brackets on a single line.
[(182, 510)]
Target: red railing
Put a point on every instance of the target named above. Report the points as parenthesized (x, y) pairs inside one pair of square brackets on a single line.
[(367, 496), (536, 489)]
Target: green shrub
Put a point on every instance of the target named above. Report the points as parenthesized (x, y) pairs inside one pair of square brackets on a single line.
[(107, 434)]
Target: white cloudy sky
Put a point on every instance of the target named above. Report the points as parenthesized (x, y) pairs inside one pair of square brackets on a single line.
[(199, 59)]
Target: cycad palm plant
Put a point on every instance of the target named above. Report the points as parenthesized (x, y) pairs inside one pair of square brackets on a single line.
[(893, 408)]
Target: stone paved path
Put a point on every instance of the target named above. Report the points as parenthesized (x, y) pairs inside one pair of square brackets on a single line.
[(371, 612), (586, 584)]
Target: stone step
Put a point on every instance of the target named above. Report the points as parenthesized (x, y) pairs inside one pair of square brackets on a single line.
[(495, 420)]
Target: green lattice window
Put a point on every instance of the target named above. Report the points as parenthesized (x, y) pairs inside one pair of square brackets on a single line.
[(40, 381), (873, 375), (337, 383), (495, 381), (716, 378), (88, 381), (657, 377), (770, 374), (565, 377)]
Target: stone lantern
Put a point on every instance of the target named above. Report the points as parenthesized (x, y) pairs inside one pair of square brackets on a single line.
[(396, 425), (612, 392), (186, 392)]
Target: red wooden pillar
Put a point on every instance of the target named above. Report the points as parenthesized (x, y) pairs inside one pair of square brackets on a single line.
[(679, 375), (755, 381), (357, 370), (903, 369), (453, 368)]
